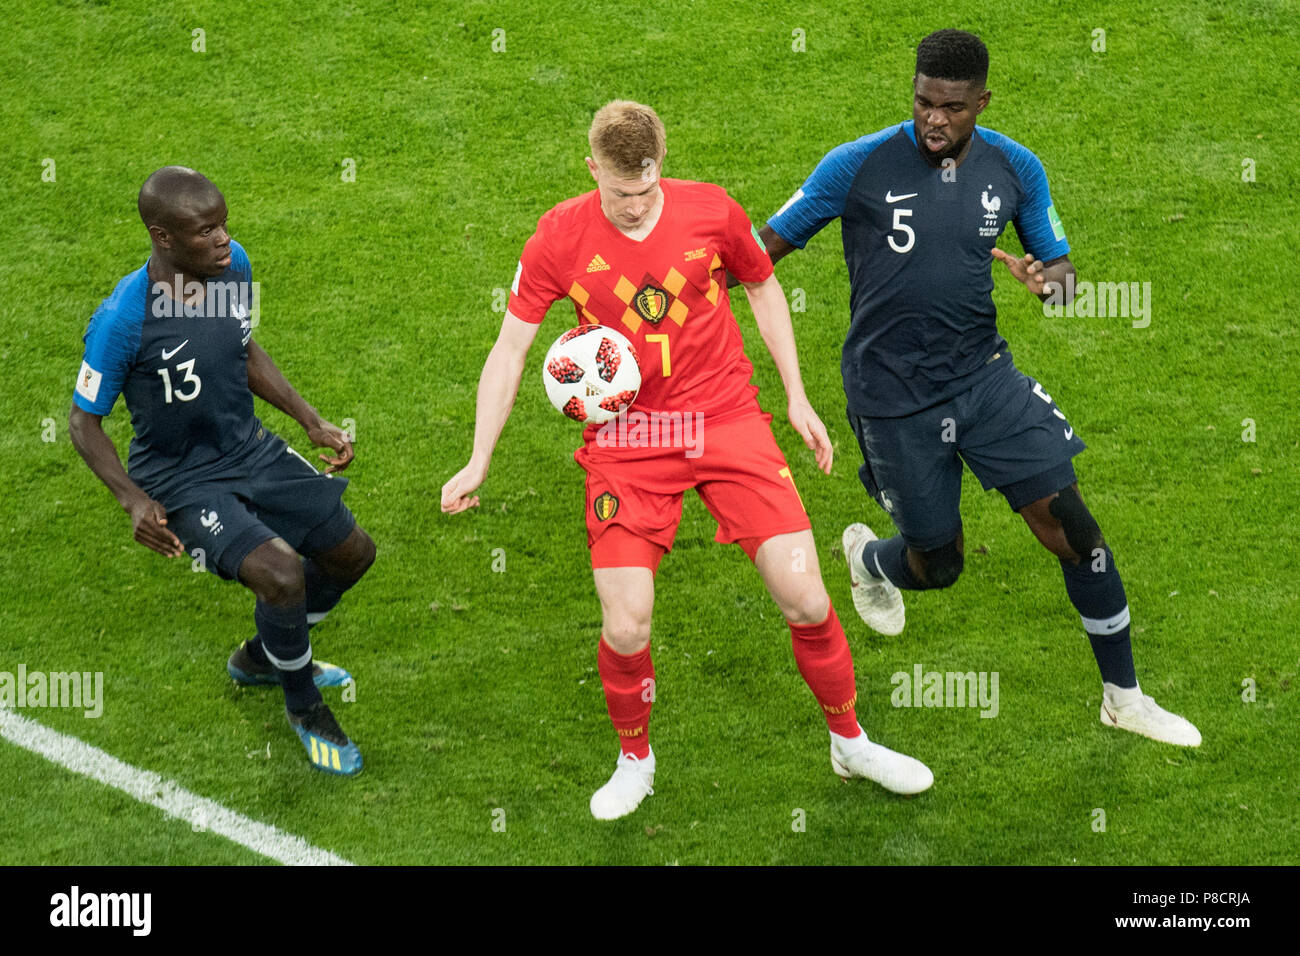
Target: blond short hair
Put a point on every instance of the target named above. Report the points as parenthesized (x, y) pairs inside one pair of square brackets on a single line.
[(624, 135)]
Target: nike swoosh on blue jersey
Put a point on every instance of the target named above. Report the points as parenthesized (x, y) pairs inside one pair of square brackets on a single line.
[(890, 197), (168, 355)]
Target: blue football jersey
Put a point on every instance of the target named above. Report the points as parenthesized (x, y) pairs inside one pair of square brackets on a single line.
[(182, 369), (918, 242)]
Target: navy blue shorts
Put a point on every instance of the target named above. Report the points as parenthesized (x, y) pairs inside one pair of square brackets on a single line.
[(1005, 427), (281, 496)]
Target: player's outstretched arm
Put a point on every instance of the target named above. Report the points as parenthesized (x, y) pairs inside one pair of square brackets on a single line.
[(148, 517), (772, 313), (267, 382), (497, 388)]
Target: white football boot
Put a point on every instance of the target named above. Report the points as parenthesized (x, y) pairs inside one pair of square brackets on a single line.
[(632, 782), (859, 757), (1144, 716), (878, 601)]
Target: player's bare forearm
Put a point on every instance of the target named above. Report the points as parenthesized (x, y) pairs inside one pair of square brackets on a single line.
[(267, 382), (148, 517), (499, 384), (772, 314), (497, 388), (97, 451), (777, 249)]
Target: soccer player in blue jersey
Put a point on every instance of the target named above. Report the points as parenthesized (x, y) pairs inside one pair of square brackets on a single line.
[(203, 475), (931, 383)]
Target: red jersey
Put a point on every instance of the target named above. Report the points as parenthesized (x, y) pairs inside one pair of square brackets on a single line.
[(667, 293)]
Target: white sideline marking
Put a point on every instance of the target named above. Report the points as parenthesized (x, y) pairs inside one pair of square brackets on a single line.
[(172, 799)]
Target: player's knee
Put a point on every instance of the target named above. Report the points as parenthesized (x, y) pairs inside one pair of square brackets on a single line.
[(284, 585), (941, 567), (1082, 533), (627, 634), (808, 606), (364, 555), (275, 575)]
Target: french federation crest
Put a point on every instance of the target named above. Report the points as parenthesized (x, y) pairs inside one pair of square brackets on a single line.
[(651, 303), (989, 227)]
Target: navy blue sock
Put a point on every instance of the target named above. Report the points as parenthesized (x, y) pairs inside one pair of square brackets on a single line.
[(1097, 593), (323, 591), (284, 638), (300, 691), (255, 650), (891, 553)]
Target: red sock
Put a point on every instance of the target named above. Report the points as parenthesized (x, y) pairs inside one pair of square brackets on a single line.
[(628, 680), (822, 653)]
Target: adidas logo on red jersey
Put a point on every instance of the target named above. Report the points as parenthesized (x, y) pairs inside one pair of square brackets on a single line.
[(597, 264)]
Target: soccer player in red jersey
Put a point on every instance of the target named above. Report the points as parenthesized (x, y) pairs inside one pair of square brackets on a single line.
[(649, 257)]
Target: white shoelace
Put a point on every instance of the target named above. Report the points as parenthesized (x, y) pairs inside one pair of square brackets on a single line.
[(629, 764)]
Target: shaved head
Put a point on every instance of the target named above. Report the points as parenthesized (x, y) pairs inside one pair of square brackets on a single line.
[(186, 218), (174, 193)]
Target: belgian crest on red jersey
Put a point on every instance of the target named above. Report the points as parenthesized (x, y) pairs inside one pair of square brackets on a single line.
[(651, 303)]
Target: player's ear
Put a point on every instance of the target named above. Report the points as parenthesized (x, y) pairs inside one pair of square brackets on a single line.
[(160, 236), (592, 168), (984, 100)]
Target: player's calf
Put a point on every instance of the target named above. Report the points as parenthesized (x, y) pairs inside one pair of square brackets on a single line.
[(329, 575), (627, 677), (790, 571), (1093, 584), (273, 571), (1081, 529), (1063, 525)]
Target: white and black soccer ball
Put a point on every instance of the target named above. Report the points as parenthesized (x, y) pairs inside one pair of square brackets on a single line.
[(590, 373)]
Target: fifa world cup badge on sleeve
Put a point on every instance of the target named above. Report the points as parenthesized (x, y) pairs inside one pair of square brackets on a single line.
[(88, 382)]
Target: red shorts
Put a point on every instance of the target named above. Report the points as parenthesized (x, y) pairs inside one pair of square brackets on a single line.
[(634, 490)]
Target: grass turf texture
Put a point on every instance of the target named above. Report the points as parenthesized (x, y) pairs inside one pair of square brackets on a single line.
[(477, 690)]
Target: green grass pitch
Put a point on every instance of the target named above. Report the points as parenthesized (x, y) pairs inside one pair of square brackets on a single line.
[(476, 689)]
